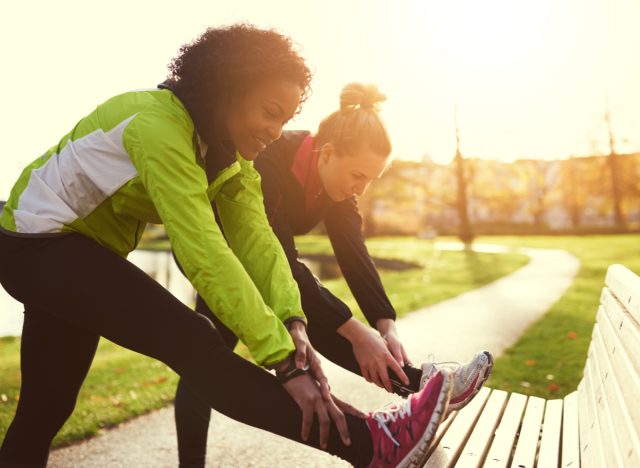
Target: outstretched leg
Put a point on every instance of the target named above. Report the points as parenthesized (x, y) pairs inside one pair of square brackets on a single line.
[(94, 289)]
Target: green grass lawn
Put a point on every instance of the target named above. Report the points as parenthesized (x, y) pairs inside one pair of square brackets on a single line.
[(122, 384), (549, 358)]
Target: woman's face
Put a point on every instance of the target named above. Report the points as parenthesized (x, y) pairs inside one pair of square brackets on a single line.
[(343, 176), (256, 118)]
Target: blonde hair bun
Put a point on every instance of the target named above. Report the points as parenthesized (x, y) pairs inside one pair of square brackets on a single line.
[(365, 96)]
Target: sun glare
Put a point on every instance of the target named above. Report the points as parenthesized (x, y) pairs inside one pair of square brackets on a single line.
[(530, 78), (488, 42)]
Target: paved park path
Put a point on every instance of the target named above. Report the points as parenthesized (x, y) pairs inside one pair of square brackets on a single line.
[(491, 317)]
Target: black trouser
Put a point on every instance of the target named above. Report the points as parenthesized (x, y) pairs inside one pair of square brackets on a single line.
[(192, 413), (74, 291)]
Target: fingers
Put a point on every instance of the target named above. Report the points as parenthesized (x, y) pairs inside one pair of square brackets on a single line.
[(400, 358), (365, 373), (301, 354), (397, 352), (378, 372), (307, 421), (407, 361), (375, 371), (324, 422), (384, 378), (325, 390), (321, 378), (395, 367), (326, 411), (305, 392), (341, 422), (316, 371), (349, 409)]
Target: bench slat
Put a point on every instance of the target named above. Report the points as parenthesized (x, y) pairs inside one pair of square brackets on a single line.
[(478, 444), (502, 446), (610, 447), (627, 331), (570, 432), (551, 432), (625, 285), (585, 423), (592, 453), (449, 448), (622, 406), (525, 454), (442, 429)]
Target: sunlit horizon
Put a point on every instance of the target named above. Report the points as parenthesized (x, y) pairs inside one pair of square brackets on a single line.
[(529, 79)]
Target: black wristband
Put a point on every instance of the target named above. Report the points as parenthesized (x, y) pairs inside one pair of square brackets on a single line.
[(286, 376), (290, 371)]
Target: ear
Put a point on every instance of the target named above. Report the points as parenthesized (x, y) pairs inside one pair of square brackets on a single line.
[(327, 151)]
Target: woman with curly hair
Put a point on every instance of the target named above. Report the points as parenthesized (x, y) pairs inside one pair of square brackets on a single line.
[(307, 179), (162, 156)]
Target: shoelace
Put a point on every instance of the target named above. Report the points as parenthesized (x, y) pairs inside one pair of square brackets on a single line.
[(431, 360), (392, 412)]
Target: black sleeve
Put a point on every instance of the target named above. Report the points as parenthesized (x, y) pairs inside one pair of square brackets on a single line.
[(344, 226), (318, 303)]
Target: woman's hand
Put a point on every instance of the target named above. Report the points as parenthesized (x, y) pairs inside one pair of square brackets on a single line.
[(387, 329), (306, 355), (306, 393), (373, 355)]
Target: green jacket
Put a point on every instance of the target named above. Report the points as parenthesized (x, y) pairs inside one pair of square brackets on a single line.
[(136, 159)]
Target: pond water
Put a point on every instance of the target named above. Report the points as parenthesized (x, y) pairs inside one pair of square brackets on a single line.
[(10, 315)]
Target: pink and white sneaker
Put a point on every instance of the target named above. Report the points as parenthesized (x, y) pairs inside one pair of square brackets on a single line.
[(468, 378), (402, 432)]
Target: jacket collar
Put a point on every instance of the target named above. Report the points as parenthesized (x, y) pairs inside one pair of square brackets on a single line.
[(305, 170)]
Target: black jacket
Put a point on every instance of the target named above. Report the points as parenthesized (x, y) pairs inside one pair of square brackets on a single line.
[(295, 204)]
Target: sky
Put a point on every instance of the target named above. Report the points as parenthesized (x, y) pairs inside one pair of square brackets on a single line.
[(523, 78)]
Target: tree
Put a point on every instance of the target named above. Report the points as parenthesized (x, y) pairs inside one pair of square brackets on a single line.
[(465, 232), (614, 164), (573, 198), (542, 177)]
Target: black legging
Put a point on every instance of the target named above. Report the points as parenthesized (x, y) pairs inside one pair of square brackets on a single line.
[(74, 291), (193, 414)]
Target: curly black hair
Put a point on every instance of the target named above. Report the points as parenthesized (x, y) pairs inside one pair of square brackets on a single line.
[(226, 62)]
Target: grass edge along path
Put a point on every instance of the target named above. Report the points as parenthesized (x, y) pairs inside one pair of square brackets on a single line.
[(548, 359), (123, 384)]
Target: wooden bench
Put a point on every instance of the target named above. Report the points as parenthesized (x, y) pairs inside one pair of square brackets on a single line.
[(598, 425)]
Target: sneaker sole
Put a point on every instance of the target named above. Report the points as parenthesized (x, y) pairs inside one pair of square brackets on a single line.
[(418, 455), (483, 378)]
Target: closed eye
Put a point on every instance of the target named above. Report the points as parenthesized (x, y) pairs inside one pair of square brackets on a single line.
[(276, 116)]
